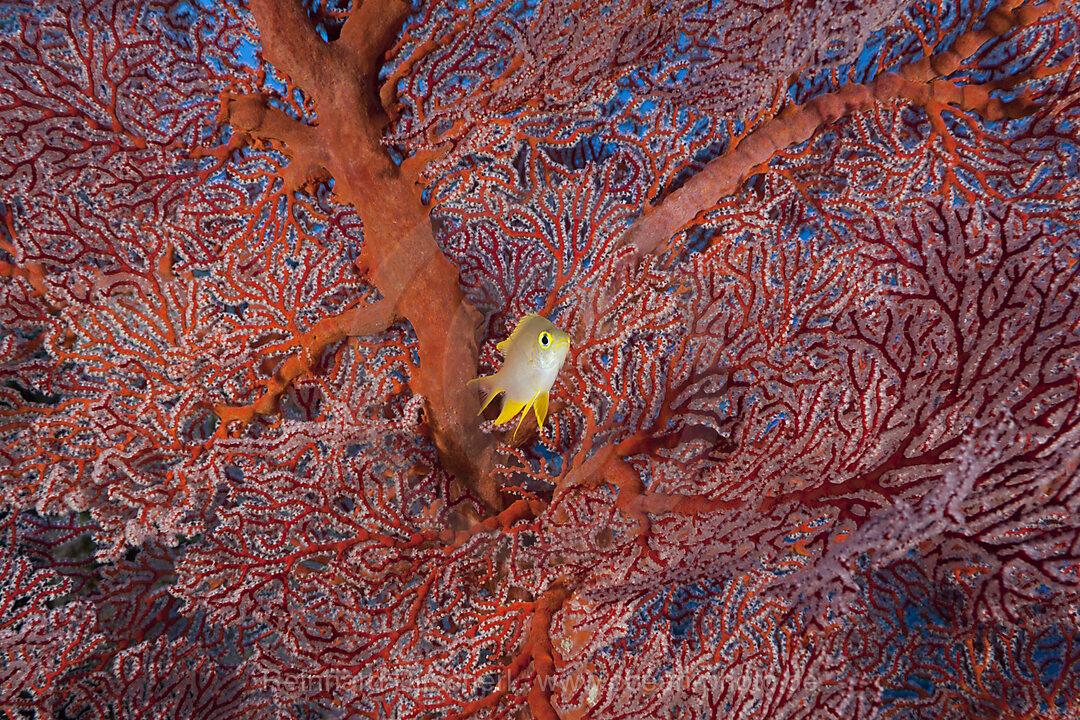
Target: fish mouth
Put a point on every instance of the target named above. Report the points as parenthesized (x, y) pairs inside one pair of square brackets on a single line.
[(564, 341)]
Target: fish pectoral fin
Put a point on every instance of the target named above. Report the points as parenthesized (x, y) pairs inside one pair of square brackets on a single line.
[(510, 408), (491, 396), (488, 387), (540, 407)]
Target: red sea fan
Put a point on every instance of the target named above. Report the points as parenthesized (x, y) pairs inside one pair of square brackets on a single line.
[(814, 452)]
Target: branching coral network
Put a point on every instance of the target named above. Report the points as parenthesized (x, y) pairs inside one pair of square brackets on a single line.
[(814, 452)]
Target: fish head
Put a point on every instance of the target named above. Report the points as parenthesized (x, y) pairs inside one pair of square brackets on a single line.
[(549, 347), (535, 352)]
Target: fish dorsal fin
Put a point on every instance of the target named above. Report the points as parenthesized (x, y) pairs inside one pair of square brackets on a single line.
[(517, 329)]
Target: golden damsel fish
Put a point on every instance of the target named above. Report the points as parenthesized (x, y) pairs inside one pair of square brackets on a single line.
[(534, 353)]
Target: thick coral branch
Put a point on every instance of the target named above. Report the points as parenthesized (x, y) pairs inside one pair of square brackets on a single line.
[(351, 323), (291, 44), (998, 21), (538, 650), (399, 253), (370, 31), (34, 273), (301, 143), (504, 521), (917, 82), (609, 467), (542, 651)]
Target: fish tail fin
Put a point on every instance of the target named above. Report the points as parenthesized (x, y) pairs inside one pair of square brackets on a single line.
[(489, 388)]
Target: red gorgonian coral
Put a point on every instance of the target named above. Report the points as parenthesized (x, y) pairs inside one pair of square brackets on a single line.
[(814, 452)]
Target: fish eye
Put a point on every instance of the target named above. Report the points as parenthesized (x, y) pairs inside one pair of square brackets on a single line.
[(545, 339)]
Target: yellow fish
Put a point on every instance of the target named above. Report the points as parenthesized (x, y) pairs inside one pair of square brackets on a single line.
[(534, 353)]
